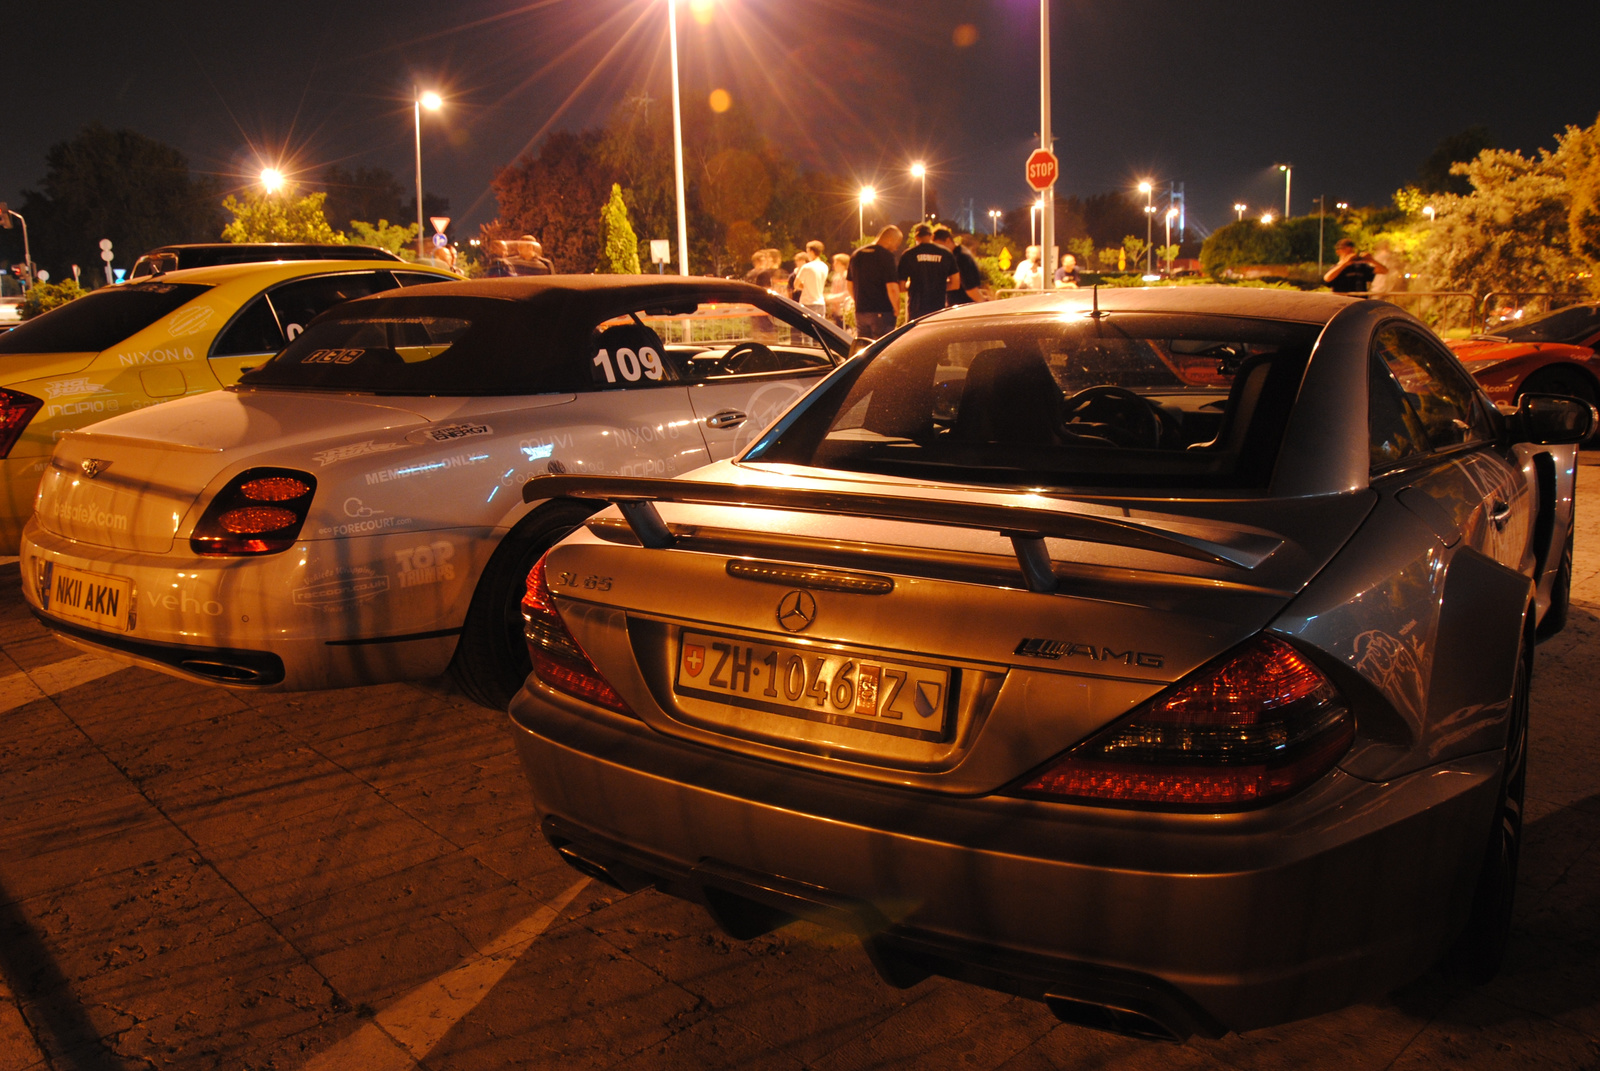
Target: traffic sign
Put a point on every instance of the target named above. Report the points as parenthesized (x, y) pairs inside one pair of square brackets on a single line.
[(1043, 169), (440, 240), (440, 223)]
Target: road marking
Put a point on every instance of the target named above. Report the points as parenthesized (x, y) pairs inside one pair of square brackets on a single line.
[(407, 1030), (21, 688)]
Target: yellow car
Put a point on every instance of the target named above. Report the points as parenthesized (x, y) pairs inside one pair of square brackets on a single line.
[(142, 343)]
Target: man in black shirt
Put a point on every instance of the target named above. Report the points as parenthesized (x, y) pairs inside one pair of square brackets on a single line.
[(875, 284), (971, 287), (931, 270), (1354, 273)]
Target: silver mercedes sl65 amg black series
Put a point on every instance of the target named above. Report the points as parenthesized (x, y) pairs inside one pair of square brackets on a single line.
[(1160, 654)]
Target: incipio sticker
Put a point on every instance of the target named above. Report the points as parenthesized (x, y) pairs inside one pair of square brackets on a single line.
[(449, 433)]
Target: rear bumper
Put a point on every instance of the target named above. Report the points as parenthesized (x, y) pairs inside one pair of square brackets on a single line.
[(1198, 924)]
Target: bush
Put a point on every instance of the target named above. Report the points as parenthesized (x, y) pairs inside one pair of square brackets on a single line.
[(42, 297), (619, 246), (1289, 241)]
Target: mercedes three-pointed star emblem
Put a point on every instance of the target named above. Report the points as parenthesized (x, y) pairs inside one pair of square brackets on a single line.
[(796, 611)]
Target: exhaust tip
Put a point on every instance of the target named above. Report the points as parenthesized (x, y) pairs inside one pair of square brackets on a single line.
[(226, 672), (1128, 1022)]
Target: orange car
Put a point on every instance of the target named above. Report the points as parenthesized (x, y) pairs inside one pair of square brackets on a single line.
[(1554, 354)]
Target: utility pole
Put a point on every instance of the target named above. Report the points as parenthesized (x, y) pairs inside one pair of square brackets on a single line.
[(1047, 213)]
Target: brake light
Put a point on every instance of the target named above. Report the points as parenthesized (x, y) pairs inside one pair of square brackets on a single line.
[(260, 512), (557, 658), (1257, 726), (16, 409)]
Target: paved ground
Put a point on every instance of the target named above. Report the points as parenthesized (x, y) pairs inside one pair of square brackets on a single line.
[(191, 878)]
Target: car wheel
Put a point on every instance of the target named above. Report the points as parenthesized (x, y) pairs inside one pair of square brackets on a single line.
[(1481, 948), (491, 661), (1555, 617), (1558, 380)]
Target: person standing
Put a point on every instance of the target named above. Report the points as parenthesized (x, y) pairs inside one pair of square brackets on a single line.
[(839, 288), (811, 279), (1354, 272), (1027, 272), (970, 288), (874, 279), (929, 270)]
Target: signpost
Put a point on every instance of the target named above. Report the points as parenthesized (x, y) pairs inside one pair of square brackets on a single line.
[(106, 255), (1047, 188), (660, 254)]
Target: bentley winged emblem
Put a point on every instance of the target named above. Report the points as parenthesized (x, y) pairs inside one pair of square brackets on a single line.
[(93, 466), (796, 611)]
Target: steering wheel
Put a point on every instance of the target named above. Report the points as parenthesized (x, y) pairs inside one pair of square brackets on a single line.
[(749, 353), (1114, 414)]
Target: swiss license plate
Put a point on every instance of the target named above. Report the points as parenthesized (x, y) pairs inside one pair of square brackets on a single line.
[(836, 687), (102, 601)]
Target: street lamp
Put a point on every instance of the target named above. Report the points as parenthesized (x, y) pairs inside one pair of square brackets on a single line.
[(994, 222), (1033, 221), (1172, 214), (433, 102), (918, 171), (677, 141), (1288, 175), (1428, 210), (865, 198), (27, 254), (1266, 217), (271, 179), (1241, 209), (1149, 239)]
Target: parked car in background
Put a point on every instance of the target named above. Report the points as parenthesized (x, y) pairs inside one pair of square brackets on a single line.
[(351, 511), (210, 254), (10, 301), (1554, 354), (123, 348), (1162, 654)]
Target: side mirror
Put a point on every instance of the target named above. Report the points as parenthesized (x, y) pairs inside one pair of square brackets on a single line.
[(858, 344), (1553, 420)]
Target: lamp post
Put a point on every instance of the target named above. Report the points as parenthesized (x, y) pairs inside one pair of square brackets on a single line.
[(1288, 176), (994, 222), (27, 254), (1241, 209), (677, 140), (1322, 223), (863, 199), (920, 172), (1149, 239), (271, 179), (420, 100), (1047, 196), (1172, 214), (1033, 221)]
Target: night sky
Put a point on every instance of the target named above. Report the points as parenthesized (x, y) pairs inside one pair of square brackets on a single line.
[(1210, 93)]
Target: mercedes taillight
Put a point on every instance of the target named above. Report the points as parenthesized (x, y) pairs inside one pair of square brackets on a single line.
[(261, 511), (16, 409), (557, 659), (1257, 725)]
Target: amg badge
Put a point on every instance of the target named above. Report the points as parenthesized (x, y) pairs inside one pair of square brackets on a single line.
[(1059, 649)]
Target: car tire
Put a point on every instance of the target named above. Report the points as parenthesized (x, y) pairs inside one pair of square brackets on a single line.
[(491, 661), (1555, 616), (1559, 380), (1481, 949)]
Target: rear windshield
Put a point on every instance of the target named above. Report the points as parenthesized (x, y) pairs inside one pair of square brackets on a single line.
[(1564, 325), (99, 320), (390, 354), (1128, 400)]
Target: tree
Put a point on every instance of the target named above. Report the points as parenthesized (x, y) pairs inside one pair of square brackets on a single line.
[(120, 185), (400, 238), (619, 246), (554, 196), (279, 217), (367, 193), (1435, 175), (1246, 241)]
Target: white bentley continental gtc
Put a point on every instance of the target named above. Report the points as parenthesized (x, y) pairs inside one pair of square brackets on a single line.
[(351, 512)]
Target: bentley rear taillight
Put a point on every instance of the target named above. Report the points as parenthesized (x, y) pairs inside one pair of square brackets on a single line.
[(1256, 726), (260, 512), (557, 659), (16, 409)]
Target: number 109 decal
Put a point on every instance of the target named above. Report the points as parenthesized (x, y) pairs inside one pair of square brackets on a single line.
[(631, 365)]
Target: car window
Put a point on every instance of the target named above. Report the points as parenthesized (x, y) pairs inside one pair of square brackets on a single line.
[(253, 331), (1395, 435), (300, 302), (1434, 389), (418, 278), (698, 341), (1126, 400), (1572, 324), (99, 320)]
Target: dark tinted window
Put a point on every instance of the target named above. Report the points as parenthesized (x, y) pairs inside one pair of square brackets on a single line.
[(254, 331), (300, 302), (1571, 324), (1443, 398), (1128, 400), (99, 320)]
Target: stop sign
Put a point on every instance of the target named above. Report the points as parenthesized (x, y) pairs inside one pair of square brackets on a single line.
[(1043, 169)]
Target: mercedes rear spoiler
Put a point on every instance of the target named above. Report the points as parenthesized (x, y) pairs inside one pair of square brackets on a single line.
[(1026, 527)]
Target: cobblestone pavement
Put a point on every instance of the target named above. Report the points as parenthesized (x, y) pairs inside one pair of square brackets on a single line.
[(193, 878)]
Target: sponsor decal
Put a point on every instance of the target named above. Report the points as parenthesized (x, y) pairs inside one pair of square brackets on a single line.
[(354, 507), (428, 564), (332, 357), (650, 467), (449, 433), (539, 449), (454, 461), (172, 355), (62, 388), (92, 515), (336, 454), (366, 527), (188, 321), (1055, 650), (182, 601), (336, 589), (92, 405)]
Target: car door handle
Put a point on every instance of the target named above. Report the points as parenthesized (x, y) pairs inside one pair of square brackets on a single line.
[(1500, 514), (727, 418)]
